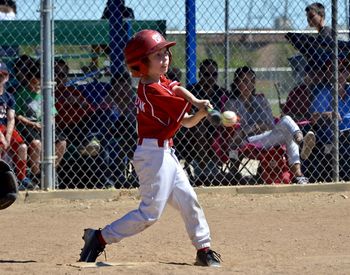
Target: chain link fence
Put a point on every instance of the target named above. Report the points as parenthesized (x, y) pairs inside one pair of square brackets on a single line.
[(269, 61)]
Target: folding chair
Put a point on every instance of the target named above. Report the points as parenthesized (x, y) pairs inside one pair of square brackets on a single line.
[(273, 165)]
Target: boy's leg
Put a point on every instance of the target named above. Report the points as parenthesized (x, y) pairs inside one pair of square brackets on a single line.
[(34, 152), (184, 199), (60, 149), (156, 171), (156, 176), (19, 150)]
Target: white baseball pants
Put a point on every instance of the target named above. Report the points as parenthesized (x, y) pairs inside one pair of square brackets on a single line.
[(162, 180)]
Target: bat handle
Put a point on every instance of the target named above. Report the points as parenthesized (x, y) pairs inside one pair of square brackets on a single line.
[(209, 110)]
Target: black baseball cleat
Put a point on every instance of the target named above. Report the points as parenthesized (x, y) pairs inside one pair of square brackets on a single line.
[(92, 247), (208, 258)]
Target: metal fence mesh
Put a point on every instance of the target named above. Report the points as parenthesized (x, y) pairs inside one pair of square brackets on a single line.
[(277, 66)]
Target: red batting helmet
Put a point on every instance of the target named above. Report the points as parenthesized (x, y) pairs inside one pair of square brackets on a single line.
[(139, 46)]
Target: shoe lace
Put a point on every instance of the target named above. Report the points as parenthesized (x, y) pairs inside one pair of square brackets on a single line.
[(216, 256)]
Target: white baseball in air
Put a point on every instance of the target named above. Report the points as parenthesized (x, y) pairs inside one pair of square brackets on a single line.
[(229, 118)]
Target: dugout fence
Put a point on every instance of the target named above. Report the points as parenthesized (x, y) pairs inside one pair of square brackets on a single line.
[(92, 140)]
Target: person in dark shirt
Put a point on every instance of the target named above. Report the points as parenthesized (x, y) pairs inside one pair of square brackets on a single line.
[(127, 12), (316, 15), (199, 150)]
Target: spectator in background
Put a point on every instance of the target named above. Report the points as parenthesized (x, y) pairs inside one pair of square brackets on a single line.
[(257, 123), (321, 106), (174, 74), (127, 13), (199, 139), (29, 116), (81, 122), (318, 73), (101, 131), (323, 122), (315, 14), (207, 85), (21, 68), (95, 93), (10, 140), (8, 9), (71, 105), (122, 142), (298, 101), (8, 12), (101, 119)]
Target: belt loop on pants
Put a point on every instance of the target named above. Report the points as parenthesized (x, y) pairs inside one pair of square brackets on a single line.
[(160, 142)]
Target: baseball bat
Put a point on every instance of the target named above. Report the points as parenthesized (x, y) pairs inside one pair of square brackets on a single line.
[(214, 117)]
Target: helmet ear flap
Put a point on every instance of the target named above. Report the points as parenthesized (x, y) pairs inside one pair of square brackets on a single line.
[(138, 68), (135, 71)]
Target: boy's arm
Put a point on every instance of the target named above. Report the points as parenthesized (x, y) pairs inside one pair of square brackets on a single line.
[(189, 121), (188, 96), (28, 122), (10, 125)]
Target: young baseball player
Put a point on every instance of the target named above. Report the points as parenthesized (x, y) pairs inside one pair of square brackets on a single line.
[(162, 107)]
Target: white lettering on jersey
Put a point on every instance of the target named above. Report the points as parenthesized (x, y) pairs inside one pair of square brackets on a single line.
[(3, 111), (140, 105)]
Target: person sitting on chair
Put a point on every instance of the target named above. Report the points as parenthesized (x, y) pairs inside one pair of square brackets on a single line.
[(258, 127)]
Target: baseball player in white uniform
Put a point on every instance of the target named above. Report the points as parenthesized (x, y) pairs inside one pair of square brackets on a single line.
[(162, 107)]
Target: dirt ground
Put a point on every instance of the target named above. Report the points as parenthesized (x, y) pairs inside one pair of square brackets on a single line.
[(292, 233)]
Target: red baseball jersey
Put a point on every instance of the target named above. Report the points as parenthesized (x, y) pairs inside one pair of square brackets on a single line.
[(159, 110)]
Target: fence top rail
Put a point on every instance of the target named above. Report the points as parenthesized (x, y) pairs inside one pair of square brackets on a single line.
[(248, 31)]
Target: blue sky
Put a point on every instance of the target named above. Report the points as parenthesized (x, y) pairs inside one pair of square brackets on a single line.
[(210, 14)]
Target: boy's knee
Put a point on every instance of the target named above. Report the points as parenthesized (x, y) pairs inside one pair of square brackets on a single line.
[(150, 217), (23, 147), (36, 143)]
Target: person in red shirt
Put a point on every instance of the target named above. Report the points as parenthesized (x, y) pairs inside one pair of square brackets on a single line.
[(162, 108)]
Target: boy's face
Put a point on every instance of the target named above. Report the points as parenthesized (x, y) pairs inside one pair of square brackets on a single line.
[(34, 84), (314, 19), (158, 62)]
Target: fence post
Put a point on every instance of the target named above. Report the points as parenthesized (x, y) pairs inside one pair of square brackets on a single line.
[(227, 44), (47, 85), (335, 101), (118, 36), (191, 44)]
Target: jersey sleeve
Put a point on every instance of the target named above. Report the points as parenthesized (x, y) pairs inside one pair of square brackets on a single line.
[(175, 107), (170, 83)]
